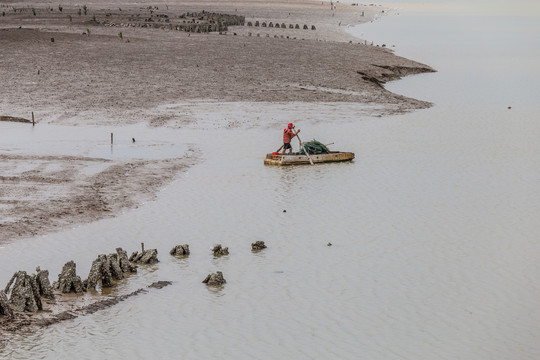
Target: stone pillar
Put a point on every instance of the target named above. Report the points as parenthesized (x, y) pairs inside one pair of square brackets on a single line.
[(44, 285), (68, 281), (22, 295)]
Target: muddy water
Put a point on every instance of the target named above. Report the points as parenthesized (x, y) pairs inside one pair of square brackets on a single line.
[(434, 229)]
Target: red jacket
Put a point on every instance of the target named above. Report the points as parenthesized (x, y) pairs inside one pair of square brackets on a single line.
[(288, 134)]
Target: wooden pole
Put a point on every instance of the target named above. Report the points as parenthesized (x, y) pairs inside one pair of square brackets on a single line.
[(33, 122), (142, 246), (305, 150), (112, 138)]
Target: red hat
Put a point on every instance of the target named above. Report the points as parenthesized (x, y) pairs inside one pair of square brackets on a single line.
[(290, 126)]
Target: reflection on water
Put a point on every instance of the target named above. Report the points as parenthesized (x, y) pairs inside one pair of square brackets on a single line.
[(435, 253)]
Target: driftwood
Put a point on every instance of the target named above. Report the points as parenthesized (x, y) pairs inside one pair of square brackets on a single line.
[(219, 251), (180, 250), (215, 279), (258, 245)]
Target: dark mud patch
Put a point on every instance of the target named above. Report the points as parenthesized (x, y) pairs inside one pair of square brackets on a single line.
[(14, 119), (381, 74)]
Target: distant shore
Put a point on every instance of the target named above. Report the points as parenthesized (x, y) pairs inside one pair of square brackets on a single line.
[(122, 74)]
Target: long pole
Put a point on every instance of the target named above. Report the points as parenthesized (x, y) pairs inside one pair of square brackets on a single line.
[(305, 150)]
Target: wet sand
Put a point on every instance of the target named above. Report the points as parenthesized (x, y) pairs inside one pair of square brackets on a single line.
[(90, 75)]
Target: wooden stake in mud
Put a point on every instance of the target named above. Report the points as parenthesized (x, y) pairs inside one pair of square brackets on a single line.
[(142, 247), (111, 138), (33, 122)]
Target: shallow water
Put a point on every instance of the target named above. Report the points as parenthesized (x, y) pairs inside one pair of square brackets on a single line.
[(434, 229)]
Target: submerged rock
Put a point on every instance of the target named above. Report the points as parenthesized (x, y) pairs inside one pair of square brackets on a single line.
[(160, 284), (68, 281), (215, 279), (219, 251), (180, 250), (5, 308), (258, 245), (144, 257)]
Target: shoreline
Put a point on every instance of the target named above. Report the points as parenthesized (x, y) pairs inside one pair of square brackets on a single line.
[(97, 73)]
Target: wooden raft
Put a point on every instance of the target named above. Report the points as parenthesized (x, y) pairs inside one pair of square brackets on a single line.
[(297, 159)]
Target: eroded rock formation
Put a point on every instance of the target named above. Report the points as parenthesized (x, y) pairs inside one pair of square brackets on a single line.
[(180, 250), (100, 271), (215, 279), (43, 284), (258, 245), (108, 267), (123, 260), (5, 308), (25, 292), (68, 281), (144, 257), (219, 251)]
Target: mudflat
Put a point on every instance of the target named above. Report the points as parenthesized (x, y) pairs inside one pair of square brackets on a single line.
[(116, 63)]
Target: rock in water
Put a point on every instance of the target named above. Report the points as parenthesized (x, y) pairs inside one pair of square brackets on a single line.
[(100, 270), (25, 294), (5, 308), (180, 250), (125, 264), (219, 251), (150, 257), (43, 283), (68, 281), (215, 279), (146, 257), (114, 267), (258, 245)]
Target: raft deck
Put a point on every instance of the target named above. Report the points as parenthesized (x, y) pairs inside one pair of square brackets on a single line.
[(298, 159)]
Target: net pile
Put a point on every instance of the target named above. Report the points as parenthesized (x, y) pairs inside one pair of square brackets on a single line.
[(314, 147)]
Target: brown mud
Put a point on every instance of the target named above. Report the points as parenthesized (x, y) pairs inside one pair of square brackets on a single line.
[(98, 65), (37, 201), (66, 307)]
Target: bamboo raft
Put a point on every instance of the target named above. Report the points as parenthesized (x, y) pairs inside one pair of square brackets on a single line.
[(298, 159)]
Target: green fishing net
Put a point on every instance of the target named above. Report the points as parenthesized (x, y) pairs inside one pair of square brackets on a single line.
[(314, 147)]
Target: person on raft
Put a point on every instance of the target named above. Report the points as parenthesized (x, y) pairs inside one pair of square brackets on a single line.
[(288, 134)]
